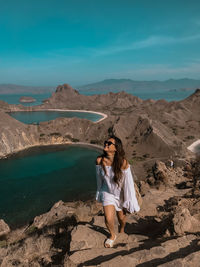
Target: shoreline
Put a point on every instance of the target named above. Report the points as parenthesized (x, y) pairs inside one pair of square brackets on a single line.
[(86, 111), (46, 145), (193, 147)]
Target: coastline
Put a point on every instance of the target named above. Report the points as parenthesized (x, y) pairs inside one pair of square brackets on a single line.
[(87, 111), (75, 110), (194, 146), (50, 144)]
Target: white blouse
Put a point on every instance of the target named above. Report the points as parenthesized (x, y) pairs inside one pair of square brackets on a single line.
[(125, 193)]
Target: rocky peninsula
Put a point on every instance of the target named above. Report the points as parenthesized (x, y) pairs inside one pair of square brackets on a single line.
[(165, 231)]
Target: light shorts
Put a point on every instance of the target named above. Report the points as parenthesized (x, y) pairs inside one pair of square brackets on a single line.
[(109, 199)]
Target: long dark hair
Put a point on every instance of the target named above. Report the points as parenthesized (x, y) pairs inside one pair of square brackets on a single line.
[(117, 161)]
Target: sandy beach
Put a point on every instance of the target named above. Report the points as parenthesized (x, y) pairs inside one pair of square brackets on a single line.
[(195, 147), (78, 110)]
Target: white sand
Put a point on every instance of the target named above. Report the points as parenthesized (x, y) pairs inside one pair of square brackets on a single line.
[(194, 147), (78, 110)]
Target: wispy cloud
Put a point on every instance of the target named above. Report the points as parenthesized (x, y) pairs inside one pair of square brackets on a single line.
[(149, 42), (163, 71)]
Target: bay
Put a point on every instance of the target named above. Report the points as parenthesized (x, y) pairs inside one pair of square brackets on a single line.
[(36, 117), (32, 180)]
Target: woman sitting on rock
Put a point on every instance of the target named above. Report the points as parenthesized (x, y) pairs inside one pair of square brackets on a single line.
[(115, 186)]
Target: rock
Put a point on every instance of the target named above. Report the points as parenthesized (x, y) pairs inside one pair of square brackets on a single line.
[(77, 211), (4, 228), (151, 180), (144, 187), (160, 172), (184, 222), (58, 212), (85, 237), (27, 99)]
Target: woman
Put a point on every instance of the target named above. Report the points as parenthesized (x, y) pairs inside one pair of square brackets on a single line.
[(115, 186)]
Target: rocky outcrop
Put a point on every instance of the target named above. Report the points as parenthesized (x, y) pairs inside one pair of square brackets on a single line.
[(15, 135), (27, 99), (4, 228), (164, 233), (184, 222), (4, 106)]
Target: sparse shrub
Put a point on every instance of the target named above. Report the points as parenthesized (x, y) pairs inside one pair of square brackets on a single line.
[(56, 134), (189, 137), (134, 142), (137, 158), (130, 161), (75, 140), (42, 134), (96, 142), (31, 229), (174, 131), (68, 136), (146, 155), (3, 243)]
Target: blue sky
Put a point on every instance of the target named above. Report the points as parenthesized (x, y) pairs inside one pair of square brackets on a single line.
[(50, 42)]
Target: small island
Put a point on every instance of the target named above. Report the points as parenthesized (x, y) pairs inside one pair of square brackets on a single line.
[(27, 99)]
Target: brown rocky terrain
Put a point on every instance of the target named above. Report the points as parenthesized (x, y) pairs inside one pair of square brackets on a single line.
[(165, 232)]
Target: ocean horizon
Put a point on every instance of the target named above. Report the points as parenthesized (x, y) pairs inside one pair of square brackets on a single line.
[(171, 95)]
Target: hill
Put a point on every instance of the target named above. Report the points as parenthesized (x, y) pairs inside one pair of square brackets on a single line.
[(131, 86)]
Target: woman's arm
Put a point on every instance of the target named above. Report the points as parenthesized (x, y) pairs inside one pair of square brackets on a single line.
[(130, 200), (98, 178)]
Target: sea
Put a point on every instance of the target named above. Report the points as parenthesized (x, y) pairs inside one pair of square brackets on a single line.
[(32, 180)]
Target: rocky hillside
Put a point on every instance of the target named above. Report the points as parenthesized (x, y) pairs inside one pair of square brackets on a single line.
[(166, 231), (149, 129)]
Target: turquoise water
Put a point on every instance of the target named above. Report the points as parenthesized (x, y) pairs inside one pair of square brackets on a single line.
[(14, 98), (39, 116), (33, 180)]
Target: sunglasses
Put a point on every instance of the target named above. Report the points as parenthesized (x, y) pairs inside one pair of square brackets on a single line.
[(108, 143)]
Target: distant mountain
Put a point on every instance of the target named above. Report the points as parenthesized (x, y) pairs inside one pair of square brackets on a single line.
[(22, 89), (131, 86)]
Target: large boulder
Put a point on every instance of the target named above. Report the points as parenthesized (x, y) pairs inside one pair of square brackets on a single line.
[(183, 222)]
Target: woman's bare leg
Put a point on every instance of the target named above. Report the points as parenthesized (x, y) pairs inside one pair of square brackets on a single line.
[(121, 215), (109, 212)]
